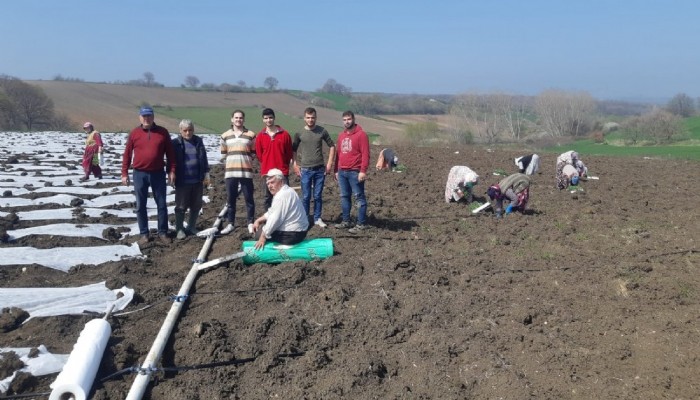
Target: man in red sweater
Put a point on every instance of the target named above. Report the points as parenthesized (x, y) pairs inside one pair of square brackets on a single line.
[(351, 163), (273, 147), (145, 148)]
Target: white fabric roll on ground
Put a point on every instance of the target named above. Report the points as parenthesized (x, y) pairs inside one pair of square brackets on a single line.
[(78, 374)]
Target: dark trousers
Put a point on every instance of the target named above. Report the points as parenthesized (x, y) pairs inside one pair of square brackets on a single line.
[(232, 193)]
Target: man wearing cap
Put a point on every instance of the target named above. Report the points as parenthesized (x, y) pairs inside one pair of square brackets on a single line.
[(93, 153), (286, 221), (145, 149)]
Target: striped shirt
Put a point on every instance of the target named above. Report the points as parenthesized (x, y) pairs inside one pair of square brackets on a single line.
[(239, 149)]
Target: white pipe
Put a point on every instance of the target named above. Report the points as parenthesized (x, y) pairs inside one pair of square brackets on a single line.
[(141, 382), (220, 260), (481, 207)]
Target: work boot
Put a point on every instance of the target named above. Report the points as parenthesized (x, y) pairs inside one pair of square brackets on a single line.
[(192, 223), (179, 219)]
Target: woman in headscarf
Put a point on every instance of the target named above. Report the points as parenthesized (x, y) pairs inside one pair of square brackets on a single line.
[(92, 154), (460, 184), (514, 188)]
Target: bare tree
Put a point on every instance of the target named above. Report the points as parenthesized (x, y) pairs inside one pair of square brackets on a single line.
[(681, 104), (271, 83), (191, 81), (658, 126), (149, 79), (30, 106), (332, 86), (479, 113), (366, 105), (563, 113), (241, 83)]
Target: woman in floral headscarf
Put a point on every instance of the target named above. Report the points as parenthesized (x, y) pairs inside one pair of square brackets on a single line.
[(93, 153)]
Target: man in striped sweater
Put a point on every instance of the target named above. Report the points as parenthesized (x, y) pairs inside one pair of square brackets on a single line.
[(238, 149)]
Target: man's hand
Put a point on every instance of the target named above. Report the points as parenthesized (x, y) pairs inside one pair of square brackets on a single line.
[(361, 177), (125, 181), (335, 176), (329, 169), (171, 178), (207, 180), (261, 242)]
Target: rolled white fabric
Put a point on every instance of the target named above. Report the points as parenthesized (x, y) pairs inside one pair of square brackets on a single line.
[(77, 376)]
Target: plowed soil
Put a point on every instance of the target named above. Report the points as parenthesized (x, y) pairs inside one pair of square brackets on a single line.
[(592, 294)]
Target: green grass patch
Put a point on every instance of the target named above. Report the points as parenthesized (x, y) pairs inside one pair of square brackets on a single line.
[(217, 120), (692, 125), (588, 147), (340, 101)]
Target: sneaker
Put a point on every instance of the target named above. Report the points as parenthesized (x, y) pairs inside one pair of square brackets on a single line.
[(250, 229), (83, 179), (344, 225), (358, 228), (181, 234), (227, 230), (164, 239), (319, 222), (143, 240)]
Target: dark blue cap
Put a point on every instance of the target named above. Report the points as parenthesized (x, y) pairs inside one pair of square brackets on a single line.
[(146, 111)]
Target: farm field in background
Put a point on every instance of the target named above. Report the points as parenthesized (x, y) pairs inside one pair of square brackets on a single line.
[(591, 294)]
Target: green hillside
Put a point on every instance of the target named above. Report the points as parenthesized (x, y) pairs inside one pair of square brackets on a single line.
[(215, 120)]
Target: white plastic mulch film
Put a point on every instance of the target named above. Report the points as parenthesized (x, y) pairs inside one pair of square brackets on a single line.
[(41, 170)]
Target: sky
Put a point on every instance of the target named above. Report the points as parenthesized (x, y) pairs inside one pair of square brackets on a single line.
[(612, 49)]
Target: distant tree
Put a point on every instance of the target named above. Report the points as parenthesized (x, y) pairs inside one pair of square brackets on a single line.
[(657, 126), (6, 111), (60, 77), (191, 81), (564, 113), (366, 105), (208, 87), (332, 86), (241, 83), (149, 79), (682, 105), (271, 83), (422, 131), (31, 107), (227, 87)]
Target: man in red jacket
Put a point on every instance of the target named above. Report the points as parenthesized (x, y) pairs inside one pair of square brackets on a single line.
[(273, 147), (145, 148), (351, 163)]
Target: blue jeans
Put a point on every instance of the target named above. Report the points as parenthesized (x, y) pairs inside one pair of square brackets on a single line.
[(313, 178), (156, 181), (349, 185)]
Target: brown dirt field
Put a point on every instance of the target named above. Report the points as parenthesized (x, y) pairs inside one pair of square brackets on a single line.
[(111, 107), (592, 295)]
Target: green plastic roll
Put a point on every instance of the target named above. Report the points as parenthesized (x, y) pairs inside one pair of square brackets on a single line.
[(275, 253)]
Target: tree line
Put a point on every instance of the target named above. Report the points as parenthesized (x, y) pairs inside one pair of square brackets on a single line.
[(472, 117), (25, 107)]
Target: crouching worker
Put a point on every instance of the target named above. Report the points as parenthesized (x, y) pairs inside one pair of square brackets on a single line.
[(514, 188), (567, 175), (572, 158), (460, 184), (191, 175), (285, 222), (529, 164), (387, 160)]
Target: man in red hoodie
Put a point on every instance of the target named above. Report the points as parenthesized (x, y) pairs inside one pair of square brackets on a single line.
[(146, 146), (273, 147), (351, 163)]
